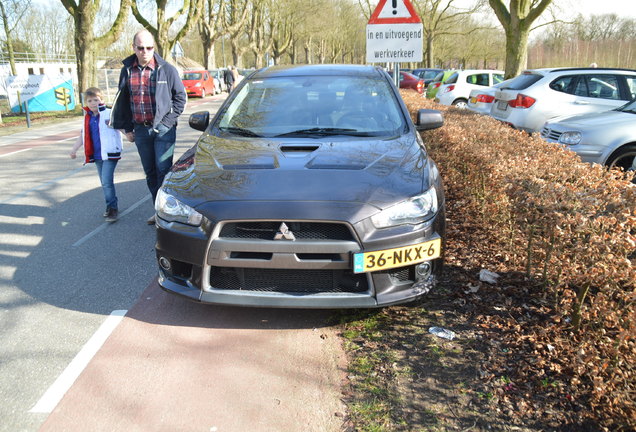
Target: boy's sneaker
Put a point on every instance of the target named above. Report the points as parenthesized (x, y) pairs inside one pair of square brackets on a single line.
[(106, 212), (111, 215)]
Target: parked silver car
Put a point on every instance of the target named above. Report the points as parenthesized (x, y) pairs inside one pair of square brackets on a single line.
[(538, 95), (607, 138), (481, 99)]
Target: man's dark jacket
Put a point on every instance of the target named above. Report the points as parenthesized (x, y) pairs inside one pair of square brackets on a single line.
[(170, 96)]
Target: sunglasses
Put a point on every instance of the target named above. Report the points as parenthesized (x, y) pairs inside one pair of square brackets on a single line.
[(141, 48)]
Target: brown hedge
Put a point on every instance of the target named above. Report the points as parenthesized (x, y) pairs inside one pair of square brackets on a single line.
[(570, 227)]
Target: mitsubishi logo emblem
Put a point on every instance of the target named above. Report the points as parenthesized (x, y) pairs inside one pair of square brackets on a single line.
[(284, 233)]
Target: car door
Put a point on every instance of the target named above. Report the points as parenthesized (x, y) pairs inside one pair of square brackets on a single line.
[(596, 92)]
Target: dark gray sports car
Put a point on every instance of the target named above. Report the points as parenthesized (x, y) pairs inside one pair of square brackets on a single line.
[(310, 188)]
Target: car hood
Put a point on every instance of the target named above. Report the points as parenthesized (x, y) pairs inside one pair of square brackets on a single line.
[(369, 171), (594, 120)]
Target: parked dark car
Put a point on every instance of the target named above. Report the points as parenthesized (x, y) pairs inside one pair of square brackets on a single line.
[(410, 81), (427, 74), (311, 188)]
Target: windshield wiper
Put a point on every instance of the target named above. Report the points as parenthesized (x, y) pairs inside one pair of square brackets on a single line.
[(321, 131), (240, 131)]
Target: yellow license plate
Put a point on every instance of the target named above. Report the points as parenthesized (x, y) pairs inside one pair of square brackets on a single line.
[(398, 257), (473, 100)]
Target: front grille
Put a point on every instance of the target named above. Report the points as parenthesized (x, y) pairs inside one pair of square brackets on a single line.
[(266, 230), (287, 281), (547, 133)]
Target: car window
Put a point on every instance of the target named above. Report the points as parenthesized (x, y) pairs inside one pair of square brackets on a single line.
[(567, 84), (602, 86), (428, 74), (286, 105), (497, 78), (523, 81), (478, 79), (191, 76), (631, 86), (439, 76), (452, 79)]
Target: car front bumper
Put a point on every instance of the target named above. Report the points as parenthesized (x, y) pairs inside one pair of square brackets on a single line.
[(209, 267)]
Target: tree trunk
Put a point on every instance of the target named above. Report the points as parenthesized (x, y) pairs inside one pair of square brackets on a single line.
[(429, 51), (7, 33), (85, 50), (516, 52)]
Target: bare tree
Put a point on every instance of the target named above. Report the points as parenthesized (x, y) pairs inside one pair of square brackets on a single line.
[(12, 12), (190, 12), (440, 18), (211, 29), (517, 22), (233, 19), (86, 42)]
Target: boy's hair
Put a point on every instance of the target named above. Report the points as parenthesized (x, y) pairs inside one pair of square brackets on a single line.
[(93, 92)]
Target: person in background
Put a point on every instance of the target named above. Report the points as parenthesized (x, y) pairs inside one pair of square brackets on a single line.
[(228, 76), (149, 101), (102, 146)]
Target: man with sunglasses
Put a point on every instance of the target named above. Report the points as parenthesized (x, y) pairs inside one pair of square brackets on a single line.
[(151, 97)]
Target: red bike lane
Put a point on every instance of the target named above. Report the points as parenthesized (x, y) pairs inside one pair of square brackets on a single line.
[(175, 365)]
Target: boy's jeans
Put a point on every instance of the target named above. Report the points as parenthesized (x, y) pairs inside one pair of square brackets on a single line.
[(106, 172), (155, 151)]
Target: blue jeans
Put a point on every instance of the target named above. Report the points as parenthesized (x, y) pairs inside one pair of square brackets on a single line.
[(155, 151), (106, 173)]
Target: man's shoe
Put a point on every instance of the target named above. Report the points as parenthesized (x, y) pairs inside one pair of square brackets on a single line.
[(151, 221), (111, 215), (106, 211)]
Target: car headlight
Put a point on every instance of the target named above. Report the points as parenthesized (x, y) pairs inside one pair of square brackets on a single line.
[(171, 209), (570, 138), (412, 211)]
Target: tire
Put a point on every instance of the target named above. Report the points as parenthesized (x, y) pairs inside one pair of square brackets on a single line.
[(622, 158), (202, 93), (460, 103)]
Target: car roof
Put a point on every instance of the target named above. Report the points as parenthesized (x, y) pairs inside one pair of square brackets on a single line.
[(471, 71), (318, 70), (576, 69)]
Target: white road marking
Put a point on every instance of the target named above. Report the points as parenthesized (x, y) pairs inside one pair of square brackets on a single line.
[(16, 152), (63, 383), (103, 226)]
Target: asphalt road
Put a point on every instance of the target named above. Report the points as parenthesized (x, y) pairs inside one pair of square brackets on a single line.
[(89, 342)]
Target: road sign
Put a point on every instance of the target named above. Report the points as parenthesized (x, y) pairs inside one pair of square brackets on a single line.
[(394, 33)]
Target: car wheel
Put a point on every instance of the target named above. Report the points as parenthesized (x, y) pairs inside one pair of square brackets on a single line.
[(202, 93), (460, 103), (622, 158)]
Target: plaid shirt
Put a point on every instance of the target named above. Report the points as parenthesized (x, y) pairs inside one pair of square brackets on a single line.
[(142, 92)]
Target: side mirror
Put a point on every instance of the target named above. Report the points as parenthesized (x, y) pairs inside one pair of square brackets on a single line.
[(199, 120), (428, 119)]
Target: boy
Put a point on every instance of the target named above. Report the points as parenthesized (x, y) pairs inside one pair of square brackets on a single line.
[(102, 145)]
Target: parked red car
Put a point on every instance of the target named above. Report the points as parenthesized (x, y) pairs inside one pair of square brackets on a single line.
[(198, 83), (408, 80)]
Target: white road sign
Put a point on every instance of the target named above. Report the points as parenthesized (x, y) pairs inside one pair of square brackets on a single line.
[(394, 33)]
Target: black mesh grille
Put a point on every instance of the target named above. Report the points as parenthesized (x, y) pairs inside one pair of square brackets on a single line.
[(402, 274), (266, 230), (287, 281)]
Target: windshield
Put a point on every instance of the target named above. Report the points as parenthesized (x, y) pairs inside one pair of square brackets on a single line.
[(191, 76), (629, 107), (313, 106)]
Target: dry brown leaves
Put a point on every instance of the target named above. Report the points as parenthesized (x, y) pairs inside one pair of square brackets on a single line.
[(563, 235)]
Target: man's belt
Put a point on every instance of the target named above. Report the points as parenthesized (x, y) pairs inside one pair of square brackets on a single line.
[(146, 123)]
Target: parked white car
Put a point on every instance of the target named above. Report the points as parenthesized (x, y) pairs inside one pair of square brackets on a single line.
[(606, 138), (456, 90), (480, 100), (538, 95)]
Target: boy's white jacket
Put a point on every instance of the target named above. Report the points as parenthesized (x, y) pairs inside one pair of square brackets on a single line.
[(110, 139)]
